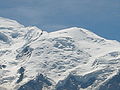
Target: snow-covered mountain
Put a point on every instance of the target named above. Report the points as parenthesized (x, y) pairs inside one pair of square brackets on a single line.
[(69, 59)]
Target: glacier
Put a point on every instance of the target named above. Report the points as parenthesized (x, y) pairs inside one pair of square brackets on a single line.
[(68, 59)]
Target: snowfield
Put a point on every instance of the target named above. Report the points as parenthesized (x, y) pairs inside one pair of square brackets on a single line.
[(69, 59)]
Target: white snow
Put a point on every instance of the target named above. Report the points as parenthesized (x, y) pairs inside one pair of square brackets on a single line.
[(55, 54)]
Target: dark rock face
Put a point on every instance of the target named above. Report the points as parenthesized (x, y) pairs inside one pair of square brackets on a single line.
[(15, 35), (2, 66), (112, 84), (27, 51), (72, 83), (21, 72), (36, 84), (69, 84), (20, 78)]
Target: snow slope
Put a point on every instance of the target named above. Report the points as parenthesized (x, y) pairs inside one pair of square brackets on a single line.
[(69, 59)]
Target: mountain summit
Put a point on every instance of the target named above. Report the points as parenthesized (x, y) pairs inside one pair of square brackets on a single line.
[(69, 59)]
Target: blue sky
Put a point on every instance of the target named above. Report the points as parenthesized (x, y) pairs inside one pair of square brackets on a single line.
[(99, 16)]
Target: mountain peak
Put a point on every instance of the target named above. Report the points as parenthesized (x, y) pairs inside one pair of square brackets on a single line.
[(9, 24), (76, 33), (72, 58)]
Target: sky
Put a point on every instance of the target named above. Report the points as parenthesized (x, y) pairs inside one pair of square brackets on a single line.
[(99, 16)]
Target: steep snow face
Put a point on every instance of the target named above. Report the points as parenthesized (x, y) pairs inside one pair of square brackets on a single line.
[(70, 59)]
